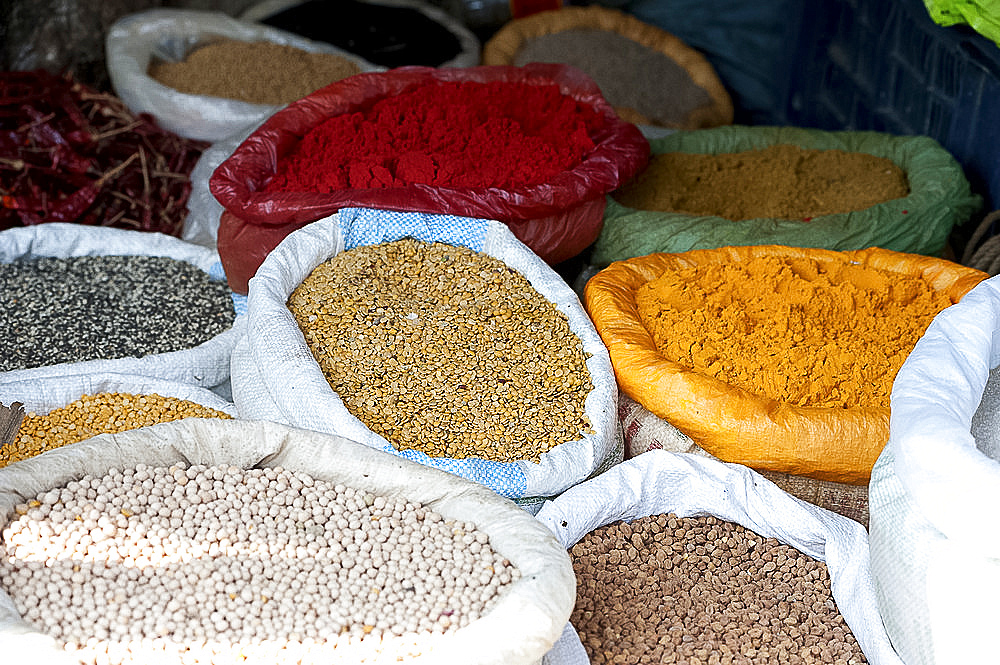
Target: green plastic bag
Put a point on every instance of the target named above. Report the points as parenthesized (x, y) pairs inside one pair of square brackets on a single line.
[(983, 16), (940, 198)]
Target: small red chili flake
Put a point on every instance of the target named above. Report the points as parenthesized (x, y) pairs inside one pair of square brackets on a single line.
[(807, 219), (905, 211)]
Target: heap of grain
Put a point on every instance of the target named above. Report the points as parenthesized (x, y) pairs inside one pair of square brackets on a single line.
[(90, 415), (445, 350)]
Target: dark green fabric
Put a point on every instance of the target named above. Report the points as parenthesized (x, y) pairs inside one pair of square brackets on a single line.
[(920, 223)]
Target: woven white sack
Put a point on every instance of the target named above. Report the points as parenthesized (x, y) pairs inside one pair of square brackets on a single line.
[(201, 226), (934, 494), (134, 40), (519, 630), (206, 364), (469, 50), (52, 392), (689, 485), (275, 377)]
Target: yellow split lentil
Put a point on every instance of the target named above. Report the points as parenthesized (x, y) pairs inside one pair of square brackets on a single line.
[(445, 350), (102, 413)]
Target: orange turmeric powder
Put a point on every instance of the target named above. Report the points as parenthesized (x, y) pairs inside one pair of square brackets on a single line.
[(797, 330)]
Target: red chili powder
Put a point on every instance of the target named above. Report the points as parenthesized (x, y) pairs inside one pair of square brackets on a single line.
[(467, 134)]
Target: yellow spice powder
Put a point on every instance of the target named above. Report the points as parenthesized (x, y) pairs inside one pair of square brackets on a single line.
[(796, 330)]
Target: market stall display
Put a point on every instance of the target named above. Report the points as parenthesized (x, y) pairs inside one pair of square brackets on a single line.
[(355, 504), (76, 155), (418, 378), (389, 33), (159, 65), (754, 351), (473, 146), (652, 214), (935, 567), (759, 520), (649, 75), (83, 299)]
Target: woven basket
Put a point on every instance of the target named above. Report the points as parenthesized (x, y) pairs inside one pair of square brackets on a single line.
[(503, 48)]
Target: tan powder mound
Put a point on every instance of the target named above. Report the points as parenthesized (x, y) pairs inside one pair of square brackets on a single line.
[(254, 72)]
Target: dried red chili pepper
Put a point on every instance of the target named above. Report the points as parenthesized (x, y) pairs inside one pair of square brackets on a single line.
[(69, 153)]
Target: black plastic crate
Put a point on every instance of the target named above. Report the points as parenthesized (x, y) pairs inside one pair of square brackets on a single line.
[(884, 65)]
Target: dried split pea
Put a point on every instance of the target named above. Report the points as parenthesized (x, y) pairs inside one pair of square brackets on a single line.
[(445, 350), (103, 413)]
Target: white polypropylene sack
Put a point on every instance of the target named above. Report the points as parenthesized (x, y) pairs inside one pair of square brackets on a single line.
[(519, 630), (53, 392), (275, 377), (688, 485), (170, 34), (206, 364), (934, 494), (201, 226), (470, 50)]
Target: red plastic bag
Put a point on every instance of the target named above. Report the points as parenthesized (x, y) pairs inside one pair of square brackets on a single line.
[(557, 219)]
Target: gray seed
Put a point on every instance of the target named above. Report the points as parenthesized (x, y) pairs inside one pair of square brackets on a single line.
[(56, 310)]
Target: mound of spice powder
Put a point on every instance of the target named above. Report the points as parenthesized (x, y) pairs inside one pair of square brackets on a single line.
[(779, 181), (448, 134), (259, 72), (799, 330)]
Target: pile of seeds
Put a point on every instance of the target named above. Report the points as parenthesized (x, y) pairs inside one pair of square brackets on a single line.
[(59, 310), (628, 73), (445, 350), (214, 564), (254, 72), (665, 589), (103, 413)]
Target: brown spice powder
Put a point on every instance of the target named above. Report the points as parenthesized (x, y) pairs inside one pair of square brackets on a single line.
[(255, 72), (781, 181), (799, 331)]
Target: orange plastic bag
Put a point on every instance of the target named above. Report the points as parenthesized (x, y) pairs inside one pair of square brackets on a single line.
[(832, 444), (556, 219)]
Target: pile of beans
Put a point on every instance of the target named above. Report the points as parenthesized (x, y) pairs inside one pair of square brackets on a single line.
[(103, 413), (61, 310), (216, 564), (665, 589), (445, 350)]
